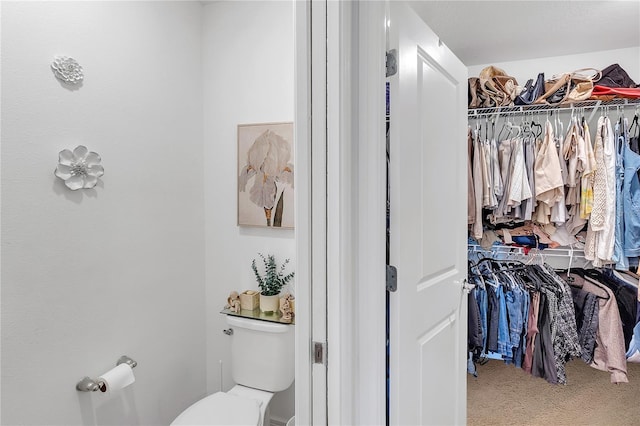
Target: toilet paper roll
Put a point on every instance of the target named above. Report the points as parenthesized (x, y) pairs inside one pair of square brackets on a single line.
[(117, 378)]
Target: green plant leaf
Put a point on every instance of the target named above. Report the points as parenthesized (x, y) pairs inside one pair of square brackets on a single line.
[(273, 278)]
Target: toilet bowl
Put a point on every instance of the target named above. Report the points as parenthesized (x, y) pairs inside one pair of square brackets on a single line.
[(263, 362), (239, 406)]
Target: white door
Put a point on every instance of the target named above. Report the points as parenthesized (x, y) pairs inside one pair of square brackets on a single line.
[(428, 317)]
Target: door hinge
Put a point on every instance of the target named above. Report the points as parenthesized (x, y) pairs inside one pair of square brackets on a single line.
[(392, 278), (391, 61), (319, 353)]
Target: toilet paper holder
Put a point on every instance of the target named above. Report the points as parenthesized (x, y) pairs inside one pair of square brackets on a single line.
[(91, 385)]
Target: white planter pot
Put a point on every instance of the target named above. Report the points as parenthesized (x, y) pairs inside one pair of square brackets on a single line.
[(269, 303)]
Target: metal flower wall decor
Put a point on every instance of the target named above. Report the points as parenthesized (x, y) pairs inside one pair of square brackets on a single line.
[(67, 70), (79, 168)]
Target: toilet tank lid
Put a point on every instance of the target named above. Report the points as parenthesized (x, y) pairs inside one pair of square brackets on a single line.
[(258, 325), (220, 409)]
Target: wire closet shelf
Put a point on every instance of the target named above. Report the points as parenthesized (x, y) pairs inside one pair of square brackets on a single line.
[(588, 105)]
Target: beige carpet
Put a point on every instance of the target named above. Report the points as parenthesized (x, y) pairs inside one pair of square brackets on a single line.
[(505, 395)]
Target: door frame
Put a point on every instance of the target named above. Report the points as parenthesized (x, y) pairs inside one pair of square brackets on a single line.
[(302, 133), (310, 208), (340, 234), (368, 314)]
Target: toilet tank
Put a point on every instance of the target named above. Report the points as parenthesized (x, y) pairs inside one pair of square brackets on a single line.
[(262, 353)]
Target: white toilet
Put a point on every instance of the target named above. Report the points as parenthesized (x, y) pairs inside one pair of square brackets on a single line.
[(263, 360)]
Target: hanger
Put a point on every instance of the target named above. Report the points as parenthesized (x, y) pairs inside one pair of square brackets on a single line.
[(486, 127), (561, 124), (537, 126), (535, 257), (508, 125), (493, 126), (517, 128), (632, 274), (480, 261), (628, 274), (634, 123), (570, 279), (478, 273), (502, 265), (526, 126), (581, 272), (505, 126)]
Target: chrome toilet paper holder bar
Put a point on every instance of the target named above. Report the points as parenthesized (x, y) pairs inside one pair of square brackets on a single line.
[(91, 385)]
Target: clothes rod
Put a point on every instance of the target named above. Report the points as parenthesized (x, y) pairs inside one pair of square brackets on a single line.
[(527, 109), (562, 251)]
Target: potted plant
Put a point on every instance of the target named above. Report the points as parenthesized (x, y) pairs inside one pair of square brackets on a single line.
[(271, 282)]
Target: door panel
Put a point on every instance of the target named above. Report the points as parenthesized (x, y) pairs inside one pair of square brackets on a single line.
[(428, 222)]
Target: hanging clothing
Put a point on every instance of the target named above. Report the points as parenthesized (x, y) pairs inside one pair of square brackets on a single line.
[(520, 188), (543, 358), (626, 299), (574, 155), (528, 205), (599, 244), (532, 331), (609, 354), (631, 196), (487, 185), (587, 180), (564, 184), (505, 160), (586, 308), (622, 262), (529, 317), (634, 135), (475, 337), (496, 179), (566, 344), (471, 196), (476, 231), (549, 184)]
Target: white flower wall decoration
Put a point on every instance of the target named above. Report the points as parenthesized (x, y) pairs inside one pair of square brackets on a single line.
[(67, 70), (79, 168)]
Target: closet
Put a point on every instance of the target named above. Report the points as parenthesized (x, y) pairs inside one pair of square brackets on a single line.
[(553, 268)]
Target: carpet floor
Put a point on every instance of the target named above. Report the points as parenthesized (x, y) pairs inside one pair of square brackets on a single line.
[(505, 395)]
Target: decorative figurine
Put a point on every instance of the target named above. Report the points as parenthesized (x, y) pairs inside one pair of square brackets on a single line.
[(233, 302), (286, 308)]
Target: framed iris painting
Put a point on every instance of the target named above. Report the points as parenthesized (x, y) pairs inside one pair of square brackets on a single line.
[(265, 175)]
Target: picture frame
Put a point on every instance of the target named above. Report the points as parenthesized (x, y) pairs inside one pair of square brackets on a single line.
[(266, 175)]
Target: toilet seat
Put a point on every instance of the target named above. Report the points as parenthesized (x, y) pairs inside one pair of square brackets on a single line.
[(221, 409)]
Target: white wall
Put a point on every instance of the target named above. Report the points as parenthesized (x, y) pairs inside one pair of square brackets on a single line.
[(248, 78), (628, 58), (90, 275)]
